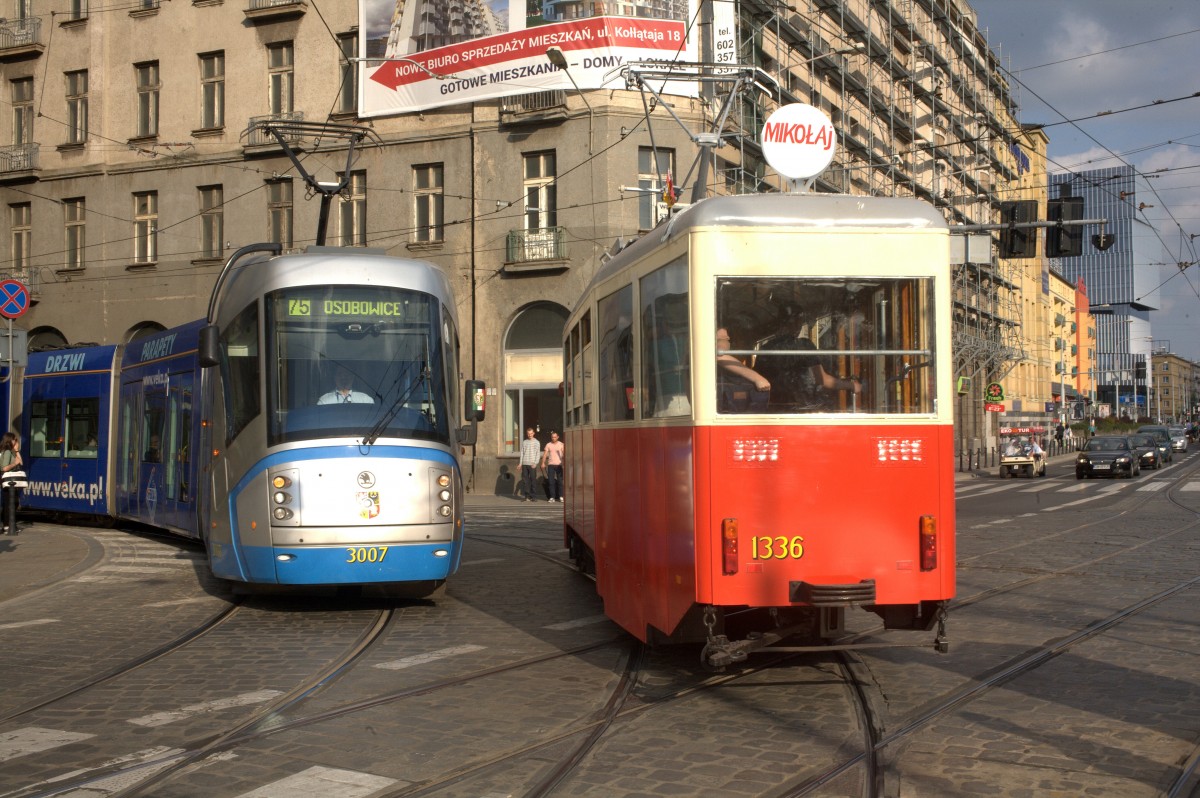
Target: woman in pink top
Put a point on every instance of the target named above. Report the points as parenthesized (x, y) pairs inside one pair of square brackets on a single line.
[(552, 463)]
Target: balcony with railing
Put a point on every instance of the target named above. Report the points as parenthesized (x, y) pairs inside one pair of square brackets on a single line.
[(538, 106), (536, 250), (258, 134), (268, 10), (18, 158), (21, 39)]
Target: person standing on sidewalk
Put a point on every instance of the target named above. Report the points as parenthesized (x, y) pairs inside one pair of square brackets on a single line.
[(10, 462), (531, 455), (552, 464)]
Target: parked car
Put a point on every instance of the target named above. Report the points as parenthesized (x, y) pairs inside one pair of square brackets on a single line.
[(1164, 439), (1179, 439), (1146, 446), (1107, 456)]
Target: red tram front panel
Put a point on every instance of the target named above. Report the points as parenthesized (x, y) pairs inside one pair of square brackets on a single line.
[(823, 505)]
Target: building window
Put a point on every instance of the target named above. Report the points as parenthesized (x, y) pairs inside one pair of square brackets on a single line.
[(352, 212), (348, 95), (20, 218), (212, 221), (79, 10), (22, 105), (212, 90), (145, 227), (279, 212), (428, 202), (652, 176), (541, 194), (74, 220), (279, 78), (147, 91), (77, 106)]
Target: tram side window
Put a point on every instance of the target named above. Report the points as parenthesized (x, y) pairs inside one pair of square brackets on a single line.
[(83, 428), (615, 328), (666, 360), (585, 367), (829, 345), (45, 429), (240, 370)]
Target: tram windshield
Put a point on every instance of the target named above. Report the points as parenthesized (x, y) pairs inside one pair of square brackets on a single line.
[(825, 345), (356, 361)]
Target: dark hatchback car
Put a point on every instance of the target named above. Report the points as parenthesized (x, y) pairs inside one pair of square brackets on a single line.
[(1107, 456), (1146, 446)]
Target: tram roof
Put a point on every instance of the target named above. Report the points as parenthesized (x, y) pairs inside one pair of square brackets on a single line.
[(828, 211)]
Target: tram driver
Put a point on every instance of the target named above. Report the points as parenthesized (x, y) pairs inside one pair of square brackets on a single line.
[(800, 381), (733, 393), (343, 390)]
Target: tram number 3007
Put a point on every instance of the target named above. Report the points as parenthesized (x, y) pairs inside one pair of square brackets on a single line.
[(361, 554), (777, 548)]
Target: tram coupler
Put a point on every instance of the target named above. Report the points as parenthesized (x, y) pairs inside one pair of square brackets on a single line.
[(940, 643)]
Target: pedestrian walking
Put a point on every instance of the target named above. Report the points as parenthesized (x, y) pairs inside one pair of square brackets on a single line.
[(531, 455), (552, 464), (12, 476)]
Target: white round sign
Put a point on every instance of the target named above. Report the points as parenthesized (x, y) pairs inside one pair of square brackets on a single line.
[(798, 141)]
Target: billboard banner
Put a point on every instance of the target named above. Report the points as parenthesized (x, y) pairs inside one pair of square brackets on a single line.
[(420, 54)]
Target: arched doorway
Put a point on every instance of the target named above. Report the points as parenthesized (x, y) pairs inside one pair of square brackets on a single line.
[(46, 338), (533, 374), (143, 330)]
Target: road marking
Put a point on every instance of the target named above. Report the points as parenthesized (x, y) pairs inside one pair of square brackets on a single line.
[(245, 699), (1075, 488), (484, 561), (161, 756), (1152, 486), (1191, 486), (320, 782), (34, 739), (18, 624), (578, 622), (432, 656)]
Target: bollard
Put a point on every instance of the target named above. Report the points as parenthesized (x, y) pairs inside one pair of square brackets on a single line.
[(10, 515)]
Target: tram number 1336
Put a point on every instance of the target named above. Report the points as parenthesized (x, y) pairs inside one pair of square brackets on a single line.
[(362, 554), (778, 547)]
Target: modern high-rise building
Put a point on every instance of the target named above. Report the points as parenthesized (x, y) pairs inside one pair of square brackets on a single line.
[(1123, 279)]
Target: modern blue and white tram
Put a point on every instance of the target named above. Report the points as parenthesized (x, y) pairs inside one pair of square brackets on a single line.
[(309, 430)]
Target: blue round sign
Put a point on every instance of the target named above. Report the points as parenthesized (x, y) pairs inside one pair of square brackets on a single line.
[(14, 299)]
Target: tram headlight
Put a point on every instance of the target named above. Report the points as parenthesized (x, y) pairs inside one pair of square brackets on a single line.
[(282, 513), (282, 498), (444, 511), (444, 495)]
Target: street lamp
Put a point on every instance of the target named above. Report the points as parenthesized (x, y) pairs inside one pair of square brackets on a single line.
[(559, 59)]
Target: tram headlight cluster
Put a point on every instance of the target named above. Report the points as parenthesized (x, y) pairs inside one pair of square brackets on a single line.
[(444, 496), (281, 498)]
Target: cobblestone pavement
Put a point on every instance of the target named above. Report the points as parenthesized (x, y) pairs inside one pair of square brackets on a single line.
[(485, 691)]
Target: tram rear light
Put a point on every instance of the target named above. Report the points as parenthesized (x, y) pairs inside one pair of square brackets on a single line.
[(928, 543), (729, 546)]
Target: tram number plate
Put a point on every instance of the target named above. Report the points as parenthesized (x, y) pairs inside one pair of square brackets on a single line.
[(778, 547), (365, 554)]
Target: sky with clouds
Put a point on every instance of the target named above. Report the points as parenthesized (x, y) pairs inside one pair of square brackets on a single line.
[(1073, 59)]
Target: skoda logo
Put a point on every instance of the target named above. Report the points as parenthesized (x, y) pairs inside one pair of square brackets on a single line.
[(366, 479)]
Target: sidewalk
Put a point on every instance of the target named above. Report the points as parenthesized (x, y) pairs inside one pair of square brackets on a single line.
[(40, 555)]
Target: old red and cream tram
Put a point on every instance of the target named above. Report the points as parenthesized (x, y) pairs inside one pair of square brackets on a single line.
[(704, 502)]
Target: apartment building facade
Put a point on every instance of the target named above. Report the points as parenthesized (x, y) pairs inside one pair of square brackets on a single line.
[(136, 162)]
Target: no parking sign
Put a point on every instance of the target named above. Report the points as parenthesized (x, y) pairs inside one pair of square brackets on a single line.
[(14, 299)]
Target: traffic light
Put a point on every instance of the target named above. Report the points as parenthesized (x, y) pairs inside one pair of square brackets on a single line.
[(1018, 242), (1064, 241)]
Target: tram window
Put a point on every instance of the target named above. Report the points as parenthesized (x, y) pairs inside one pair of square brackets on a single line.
[(45, 429), (817, 340), (666, 362), (83, 427), (615, 322), (240, 370), (585, 367)]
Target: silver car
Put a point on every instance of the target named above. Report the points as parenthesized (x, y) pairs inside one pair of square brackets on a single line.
[(1179, 439)]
